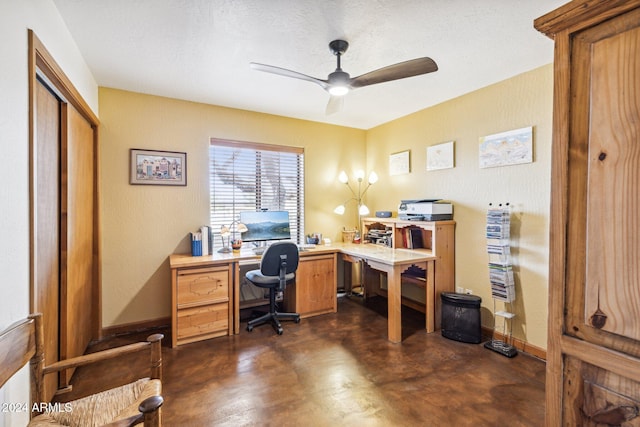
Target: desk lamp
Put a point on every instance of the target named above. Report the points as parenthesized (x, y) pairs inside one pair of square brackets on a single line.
[(229, 232)]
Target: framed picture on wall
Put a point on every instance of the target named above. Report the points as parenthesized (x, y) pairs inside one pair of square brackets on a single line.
[(440, 156), (153, 167), (399, 163), (507, 148)]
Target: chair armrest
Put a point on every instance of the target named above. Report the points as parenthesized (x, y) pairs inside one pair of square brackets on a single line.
[(103, 355), (147, 408), (151, 404)]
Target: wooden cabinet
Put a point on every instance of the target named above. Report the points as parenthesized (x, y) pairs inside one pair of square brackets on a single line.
[(202, 307), (314, 291), (437, 237), (593, 352)]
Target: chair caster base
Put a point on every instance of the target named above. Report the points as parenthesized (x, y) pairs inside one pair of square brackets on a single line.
[(274, 319)]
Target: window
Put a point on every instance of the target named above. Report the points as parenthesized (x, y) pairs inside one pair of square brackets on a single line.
[(247, 176)]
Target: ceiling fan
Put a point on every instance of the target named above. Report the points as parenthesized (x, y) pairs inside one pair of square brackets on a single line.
[(339, 83)]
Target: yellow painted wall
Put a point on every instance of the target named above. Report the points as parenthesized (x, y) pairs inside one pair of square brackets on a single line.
[(525, 100), (143, 225)]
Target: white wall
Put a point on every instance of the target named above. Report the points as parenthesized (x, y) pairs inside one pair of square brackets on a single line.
[(16, 17)]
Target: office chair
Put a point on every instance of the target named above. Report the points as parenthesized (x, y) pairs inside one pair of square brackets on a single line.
[(278, 266)]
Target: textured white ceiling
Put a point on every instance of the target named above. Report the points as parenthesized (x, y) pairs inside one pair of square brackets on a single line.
[(199, 50)]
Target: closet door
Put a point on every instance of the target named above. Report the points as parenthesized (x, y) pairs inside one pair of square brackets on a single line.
[(64, 216), (593, 354), (46, 227), (77, 235)]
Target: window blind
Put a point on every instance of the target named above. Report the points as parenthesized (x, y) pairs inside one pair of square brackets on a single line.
[(250, 177)]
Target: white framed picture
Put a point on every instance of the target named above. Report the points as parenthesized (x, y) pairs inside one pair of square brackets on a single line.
[(399, 163), (506, 148), (440, 156)]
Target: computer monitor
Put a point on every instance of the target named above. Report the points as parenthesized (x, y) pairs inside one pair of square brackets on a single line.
[(265, 225)]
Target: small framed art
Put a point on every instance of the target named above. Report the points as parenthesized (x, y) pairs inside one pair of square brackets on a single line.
[(440, 156), (399, 163), (153, 167), (507, 148)]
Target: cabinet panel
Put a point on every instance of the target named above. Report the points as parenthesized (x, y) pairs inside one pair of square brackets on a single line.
[(613, 270), (198, 321), (315, 290), (202, 287), (603, 278), (596, 397)]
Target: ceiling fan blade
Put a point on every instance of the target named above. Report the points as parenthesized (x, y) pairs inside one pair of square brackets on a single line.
[(413, 67), (334, 105), (288, 73)]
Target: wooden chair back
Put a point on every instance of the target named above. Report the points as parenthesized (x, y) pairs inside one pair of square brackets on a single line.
[(23, 342), (17, 347)]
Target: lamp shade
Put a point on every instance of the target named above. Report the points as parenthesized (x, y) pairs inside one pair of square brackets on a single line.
[(363, 210), (339, 210), (343, 178), (373, 177)]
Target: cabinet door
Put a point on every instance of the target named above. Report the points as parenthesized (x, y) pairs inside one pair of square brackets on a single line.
[(315, 287), (593, 366), (603, 281)]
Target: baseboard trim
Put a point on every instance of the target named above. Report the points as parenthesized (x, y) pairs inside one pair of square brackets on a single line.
[(519, 344), (134, 327)]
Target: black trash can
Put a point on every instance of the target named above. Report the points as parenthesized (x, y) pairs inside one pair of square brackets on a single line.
[(461, 317)]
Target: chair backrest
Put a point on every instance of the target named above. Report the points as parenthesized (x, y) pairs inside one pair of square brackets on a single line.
[(271, 259), (17, 347), (20, 343)]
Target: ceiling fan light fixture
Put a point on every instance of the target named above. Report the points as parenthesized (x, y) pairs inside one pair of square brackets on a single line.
[(338, 90)]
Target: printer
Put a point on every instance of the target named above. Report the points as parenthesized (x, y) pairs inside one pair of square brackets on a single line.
[(425, 210)]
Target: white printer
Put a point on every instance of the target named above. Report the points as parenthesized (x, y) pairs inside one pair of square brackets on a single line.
[(425, 210)]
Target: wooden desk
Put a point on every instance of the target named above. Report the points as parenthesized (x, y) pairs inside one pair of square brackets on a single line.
[(205, 291), (207, 302), (394, 262)]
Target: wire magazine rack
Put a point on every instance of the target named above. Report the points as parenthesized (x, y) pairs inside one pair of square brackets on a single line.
[(498, 234)]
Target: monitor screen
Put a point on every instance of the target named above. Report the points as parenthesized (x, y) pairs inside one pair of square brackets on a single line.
[(265, 225)]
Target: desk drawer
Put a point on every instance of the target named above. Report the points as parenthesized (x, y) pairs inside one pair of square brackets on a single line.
[(202, 286), (203, 320)]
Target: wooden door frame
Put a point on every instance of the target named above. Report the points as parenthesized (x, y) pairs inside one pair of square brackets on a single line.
[(41, 63)]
